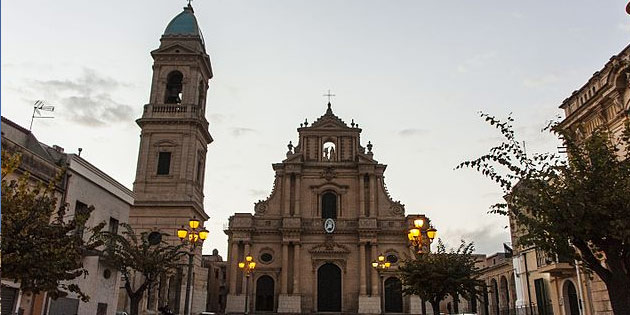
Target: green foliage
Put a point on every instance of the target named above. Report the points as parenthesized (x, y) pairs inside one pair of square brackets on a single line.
[(40, 248), (581, 200), (131, 254), (434, 276)]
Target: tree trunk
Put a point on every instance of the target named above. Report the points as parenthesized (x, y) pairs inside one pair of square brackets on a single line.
[(436, 307), (134, 304), (619, 293)]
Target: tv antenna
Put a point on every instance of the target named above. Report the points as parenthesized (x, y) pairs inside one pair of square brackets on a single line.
[(38, 107)]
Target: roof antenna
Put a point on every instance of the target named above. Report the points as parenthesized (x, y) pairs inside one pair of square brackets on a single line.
[(37, 108)]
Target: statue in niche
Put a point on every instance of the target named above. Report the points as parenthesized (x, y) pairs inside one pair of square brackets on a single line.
[(329, 151)]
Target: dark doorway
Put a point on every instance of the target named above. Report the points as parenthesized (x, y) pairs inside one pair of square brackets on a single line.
[(393, 295), (571, 295), (495, 295), (328, 288), (264, 294)]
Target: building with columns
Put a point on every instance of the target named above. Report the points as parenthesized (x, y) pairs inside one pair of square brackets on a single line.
[(171, 161), (328, 217)]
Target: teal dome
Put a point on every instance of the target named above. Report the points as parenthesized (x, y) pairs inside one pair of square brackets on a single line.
[(184, 23)]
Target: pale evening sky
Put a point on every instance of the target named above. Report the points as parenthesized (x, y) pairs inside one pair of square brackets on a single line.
[(413, 74)]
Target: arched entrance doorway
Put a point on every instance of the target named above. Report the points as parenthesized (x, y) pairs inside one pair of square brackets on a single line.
[(571, 305), (329, 288), (264, 294), (393, 295), (505, 293), (495, 295)]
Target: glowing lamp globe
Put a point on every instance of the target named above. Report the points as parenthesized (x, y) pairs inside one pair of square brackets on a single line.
[(193, 223), (182, 233), (203, 234), (418, 223), (431, 233)]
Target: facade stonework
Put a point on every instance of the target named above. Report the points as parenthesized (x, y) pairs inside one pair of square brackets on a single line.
[(328, 217)]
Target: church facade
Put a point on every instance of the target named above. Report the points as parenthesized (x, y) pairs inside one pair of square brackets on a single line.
[(174, 138), (314, 239)]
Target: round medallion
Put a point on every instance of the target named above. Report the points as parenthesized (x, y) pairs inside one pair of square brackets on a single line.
[(329, 225), (155, 238)]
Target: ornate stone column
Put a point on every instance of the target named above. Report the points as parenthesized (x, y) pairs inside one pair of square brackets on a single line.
[(233, 266), (297, 196), (361, 196), (296, 269), (285, 267), (286, 194), (375, 280), (373, 209), (362, 278)]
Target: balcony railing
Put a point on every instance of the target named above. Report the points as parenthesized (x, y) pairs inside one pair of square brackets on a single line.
[(172, 110)]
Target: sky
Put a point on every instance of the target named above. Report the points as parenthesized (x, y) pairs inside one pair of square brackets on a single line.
[(414, 74)]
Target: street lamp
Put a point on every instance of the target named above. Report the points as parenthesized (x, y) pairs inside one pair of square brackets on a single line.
[(381, 265), (248, 267), (192, 236), (415, 234)]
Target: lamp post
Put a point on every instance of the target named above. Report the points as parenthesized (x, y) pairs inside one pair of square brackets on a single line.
[(193, 236), (416, 234), (247, 267), (381, 265)]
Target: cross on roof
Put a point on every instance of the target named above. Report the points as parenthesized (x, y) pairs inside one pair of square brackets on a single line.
[(329, 95)]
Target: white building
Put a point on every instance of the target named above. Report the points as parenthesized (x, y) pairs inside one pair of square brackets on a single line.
[(83, 185)]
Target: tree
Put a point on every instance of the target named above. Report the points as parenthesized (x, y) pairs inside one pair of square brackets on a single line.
[(40, 249), (574, 205), (131, 254), (434, 276)]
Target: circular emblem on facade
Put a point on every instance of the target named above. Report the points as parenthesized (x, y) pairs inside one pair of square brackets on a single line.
[(155, 238), (329, 225)]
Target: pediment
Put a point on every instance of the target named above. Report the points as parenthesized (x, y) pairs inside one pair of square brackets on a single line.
[(329, 121), (174, 49), (329, 248), (330, 185)]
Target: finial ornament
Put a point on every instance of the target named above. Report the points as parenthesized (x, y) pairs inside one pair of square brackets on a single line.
[(305, 122), (352, 123), (290, 146), (369, 146)]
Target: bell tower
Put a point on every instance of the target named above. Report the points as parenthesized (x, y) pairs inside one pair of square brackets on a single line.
[(174, 139), (175, 136)]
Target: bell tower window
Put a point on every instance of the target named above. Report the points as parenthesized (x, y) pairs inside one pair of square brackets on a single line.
[(329, 205), (174, 88), (164, 163)]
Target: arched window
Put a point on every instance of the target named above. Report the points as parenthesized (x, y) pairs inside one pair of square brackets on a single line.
[(329, 205), (174, 88)]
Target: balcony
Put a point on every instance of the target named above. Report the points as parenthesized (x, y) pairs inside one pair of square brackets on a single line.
[(172, 111)]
